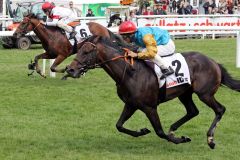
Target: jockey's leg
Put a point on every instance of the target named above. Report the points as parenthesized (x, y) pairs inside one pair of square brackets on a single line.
[(164, 50), (67, 28), (163, 66)]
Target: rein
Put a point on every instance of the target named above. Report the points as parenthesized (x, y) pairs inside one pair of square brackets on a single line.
[(36, 26), (91, 63), (118, 57), (98, 65)]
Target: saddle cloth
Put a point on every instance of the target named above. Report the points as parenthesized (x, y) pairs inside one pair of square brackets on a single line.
[(181, 75), (83, 32)]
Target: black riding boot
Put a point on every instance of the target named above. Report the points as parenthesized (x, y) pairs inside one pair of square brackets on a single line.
[(72, 34), (167, 71)]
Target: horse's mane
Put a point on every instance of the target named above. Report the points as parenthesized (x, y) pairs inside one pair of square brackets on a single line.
[(31, 15), (53, 28), (110, 44), (120, 42)]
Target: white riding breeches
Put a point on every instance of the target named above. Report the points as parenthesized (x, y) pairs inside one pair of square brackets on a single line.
[(167, 49), (62, 23)]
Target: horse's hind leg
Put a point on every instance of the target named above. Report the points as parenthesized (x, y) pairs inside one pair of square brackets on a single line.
[(57, 61), (127, 112), (191, 109), (219, 111), (152, 115)]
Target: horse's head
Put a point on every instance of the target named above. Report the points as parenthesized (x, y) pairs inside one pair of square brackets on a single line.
[(29, 23), (96, 51), (85, 59)]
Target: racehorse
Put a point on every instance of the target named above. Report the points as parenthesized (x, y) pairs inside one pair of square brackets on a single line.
[(138, 88), (55, 41)]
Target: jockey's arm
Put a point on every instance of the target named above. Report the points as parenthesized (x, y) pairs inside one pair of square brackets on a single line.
[(151, 47)]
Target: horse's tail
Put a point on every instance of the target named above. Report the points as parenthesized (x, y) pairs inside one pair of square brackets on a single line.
[(228, 81)]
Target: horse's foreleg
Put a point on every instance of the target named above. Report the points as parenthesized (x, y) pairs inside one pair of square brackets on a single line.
[(219, 110), (127, 112), (57, 61), (36, 59), (191, 109), (152, 115), (65, 76)]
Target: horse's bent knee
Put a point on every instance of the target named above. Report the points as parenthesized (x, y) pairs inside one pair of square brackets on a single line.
[(119, 127), (223, 110), (194, 113), (53, 69)]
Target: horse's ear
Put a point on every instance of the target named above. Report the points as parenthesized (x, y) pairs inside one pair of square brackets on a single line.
[(29, 15)]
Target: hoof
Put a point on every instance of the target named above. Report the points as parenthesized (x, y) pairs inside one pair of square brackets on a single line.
[(186, 139), (64, 78), (145, 131), (211, 142), (211, 145)]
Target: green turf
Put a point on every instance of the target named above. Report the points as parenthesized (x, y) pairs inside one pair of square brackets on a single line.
[(75, 119)]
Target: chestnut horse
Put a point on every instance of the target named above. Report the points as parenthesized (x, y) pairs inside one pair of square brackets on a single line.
[(138, 88), (55, 41)]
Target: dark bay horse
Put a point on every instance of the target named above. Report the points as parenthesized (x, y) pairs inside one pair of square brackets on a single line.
[(54, 40), (137, 86)]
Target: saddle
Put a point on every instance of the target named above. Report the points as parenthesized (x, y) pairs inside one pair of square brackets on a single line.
[(74, 23), (178, 63)]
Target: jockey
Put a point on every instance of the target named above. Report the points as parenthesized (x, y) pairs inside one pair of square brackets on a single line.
[(59, 16), (156, 42)]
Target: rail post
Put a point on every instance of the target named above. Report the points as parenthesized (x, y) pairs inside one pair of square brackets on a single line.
[(238, 50), (51, 61)]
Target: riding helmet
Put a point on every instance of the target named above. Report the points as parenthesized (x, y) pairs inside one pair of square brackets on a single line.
[(47, 5), (127, 27)]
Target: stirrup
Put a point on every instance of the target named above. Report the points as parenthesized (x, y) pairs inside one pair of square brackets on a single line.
[(72, 35), (168, 71)]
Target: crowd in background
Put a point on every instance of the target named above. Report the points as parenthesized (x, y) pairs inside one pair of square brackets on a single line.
[(181, 7), (78, 12)]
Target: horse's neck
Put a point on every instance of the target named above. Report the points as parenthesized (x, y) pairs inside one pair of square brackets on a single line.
[(42, 33), (115, 68), (45, 34)]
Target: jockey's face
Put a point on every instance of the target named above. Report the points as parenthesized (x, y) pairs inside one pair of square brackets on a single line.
[(47, 11), (128, 37)]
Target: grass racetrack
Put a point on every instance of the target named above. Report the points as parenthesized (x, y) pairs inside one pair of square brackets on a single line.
[(49, 118)]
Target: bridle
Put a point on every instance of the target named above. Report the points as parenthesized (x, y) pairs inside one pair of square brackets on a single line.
[(28, 21), (93, 63)]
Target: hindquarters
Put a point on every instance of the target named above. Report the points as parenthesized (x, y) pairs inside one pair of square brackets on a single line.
[(205, 73), (206, 77)]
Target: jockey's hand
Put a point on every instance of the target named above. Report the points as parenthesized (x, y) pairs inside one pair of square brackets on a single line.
[(132, 54)]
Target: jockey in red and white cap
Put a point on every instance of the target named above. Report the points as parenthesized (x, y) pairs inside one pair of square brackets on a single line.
[(59, 16)]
